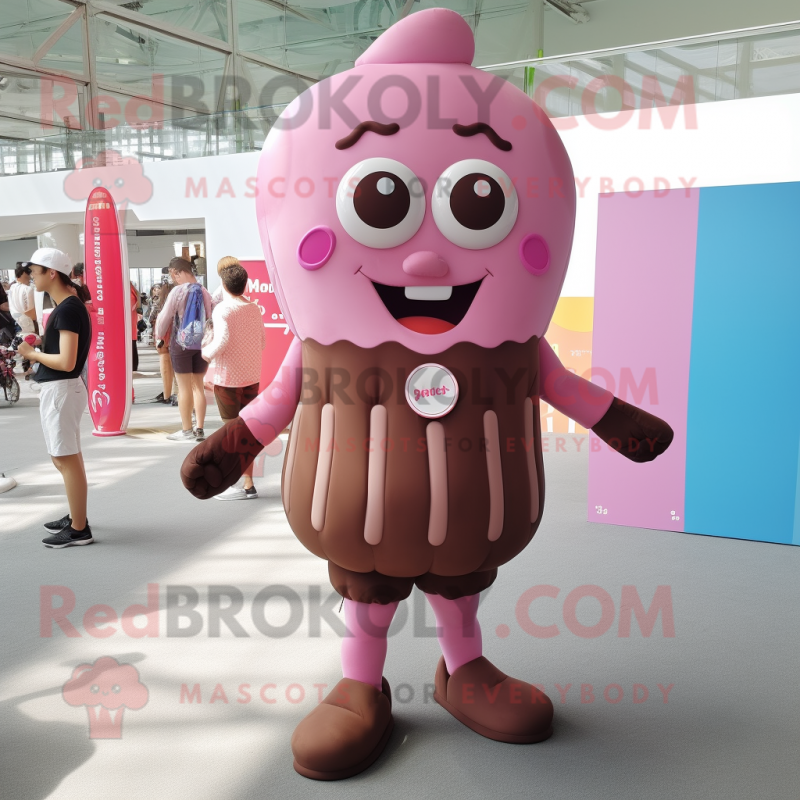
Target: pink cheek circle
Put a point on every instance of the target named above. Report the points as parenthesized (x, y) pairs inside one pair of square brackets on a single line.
[(316, 247), (534, 254)]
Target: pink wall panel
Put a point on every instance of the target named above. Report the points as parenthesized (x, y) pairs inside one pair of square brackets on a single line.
[(642, 329)]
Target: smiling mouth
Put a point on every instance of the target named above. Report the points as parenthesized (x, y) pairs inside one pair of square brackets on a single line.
[(428, 309)]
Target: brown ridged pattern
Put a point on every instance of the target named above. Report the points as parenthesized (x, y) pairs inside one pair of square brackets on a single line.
[(437, 469), (530, 452), (319, 499), (494, 469), (353, 381), (376, 475)]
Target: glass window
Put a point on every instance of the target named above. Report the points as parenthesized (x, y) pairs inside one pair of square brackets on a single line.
[(602, 98), (325, 57), (463, 7), (309, 21), (209, 17), (775, 64), (38, 98), (128, 56), (265, 87), (698, 62), (25, 26), (557, 98), (260, 27), (503, 33), (67, 52)]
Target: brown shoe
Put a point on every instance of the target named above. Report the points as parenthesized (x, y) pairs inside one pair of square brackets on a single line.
[(345, 733), (492, 704)]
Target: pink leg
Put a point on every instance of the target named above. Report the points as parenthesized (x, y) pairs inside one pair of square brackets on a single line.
[(364, 653), (459, 630)]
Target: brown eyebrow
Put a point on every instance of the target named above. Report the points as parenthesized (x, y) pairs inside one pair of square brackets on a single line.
[(362, 128), (482, 127)]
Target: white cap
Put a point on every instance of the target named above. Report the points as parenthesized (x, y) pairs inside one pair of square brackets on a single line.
[(50, 258)]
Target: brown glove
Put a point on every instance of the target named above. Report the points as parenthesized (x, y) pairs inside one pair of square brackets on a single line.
[(218, 462), (633, 432)]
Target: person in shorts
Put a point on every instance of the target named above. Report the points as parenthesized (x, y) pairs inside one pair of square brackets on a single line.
[(235, 356), (187, 363), (62, 400)]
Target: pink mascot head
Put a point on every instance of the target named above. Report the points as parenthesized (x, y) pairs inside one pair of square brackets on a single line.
[(415, 199)]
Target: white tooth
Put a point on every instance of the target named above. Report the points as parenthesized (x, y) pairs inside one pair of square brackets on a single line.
[(428, 292)]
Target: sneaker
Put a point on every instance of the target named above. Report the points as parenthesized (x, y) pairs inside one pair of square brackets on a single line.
[(181, 436), (159, 398), (233, 493), (199, 434), (58, 524), (238, 493), (173, 400), (69, 537)]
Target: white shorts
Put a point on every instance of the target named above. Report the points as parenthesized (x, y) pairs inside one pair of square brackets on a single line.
[(61, 405)]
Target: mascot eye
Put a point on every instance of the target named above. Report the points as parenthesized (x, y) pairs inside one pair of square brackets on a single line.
[(116, 688), (119, 182), (475, 204), (380, 202), (95, 688), (97, 182)]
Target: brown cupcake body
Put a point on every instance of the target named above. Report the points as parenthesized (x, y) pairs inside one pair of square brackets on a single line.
[(492, 506)]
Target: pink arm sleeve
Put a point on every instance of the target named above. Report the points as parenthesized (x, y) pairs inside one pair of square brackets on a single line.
[(274, 408), (570, 394)]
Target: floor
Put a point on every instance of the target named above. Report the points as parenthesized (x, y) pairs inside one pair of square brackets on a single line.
[(244, 629)]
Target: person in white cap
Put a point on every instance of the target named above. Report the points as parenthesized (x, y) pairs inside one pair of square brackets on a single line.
[(63, 399)]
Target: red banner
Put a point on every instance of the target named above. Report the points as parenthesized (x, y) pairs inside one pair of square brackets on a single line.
[(279, 337), (106, 276)]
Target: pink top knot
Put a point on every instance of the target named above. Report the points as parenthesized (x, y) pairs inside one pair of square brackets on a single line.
[(432, 36)]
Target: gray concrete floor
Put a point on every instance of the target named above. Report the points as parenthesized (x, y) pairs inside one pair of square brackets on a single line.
[(730, 726)]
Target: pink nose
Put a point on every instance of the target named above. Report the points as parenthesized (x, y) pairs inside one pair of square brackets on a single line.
[(425, 264)]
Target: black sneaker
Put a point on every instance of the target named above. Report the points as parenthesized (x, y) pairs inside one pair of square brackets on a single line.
[(69, 537), (58, 524), (251, 493), (199, 434)]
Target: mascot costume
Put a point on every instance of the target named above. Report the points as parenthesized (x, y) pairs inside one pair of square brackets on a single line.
[(417, 217)]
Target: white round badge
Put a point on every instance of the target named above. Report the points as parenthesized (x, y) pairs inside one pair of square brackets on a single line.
[(431, 390)]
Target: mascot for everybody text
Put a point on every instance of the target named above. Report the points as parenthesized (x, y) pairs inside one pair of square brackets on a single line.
[(417, 217)]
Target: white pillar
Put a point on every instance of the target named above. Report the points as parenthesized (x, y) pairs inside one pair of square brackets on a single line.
[(64, 238)]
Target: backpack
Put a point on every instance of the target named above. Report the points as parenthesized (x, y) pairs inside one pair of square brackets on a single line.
[(189, 330)]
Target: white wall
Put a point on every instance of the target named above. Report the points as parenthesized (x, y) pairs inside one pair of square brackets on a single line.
[(619, 23), (734, 142)]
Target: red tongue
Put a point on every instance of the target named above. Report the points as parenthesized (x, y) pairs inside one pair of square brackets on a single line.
[(426, 324)]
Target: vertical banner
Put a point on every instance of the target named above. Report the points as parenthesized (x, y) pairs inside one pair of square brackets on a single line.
[(279, 337), (106, 275)]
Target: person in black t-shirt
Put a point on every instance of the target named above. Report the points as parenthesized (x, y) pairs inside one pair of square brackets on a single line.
[(63, 399)]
